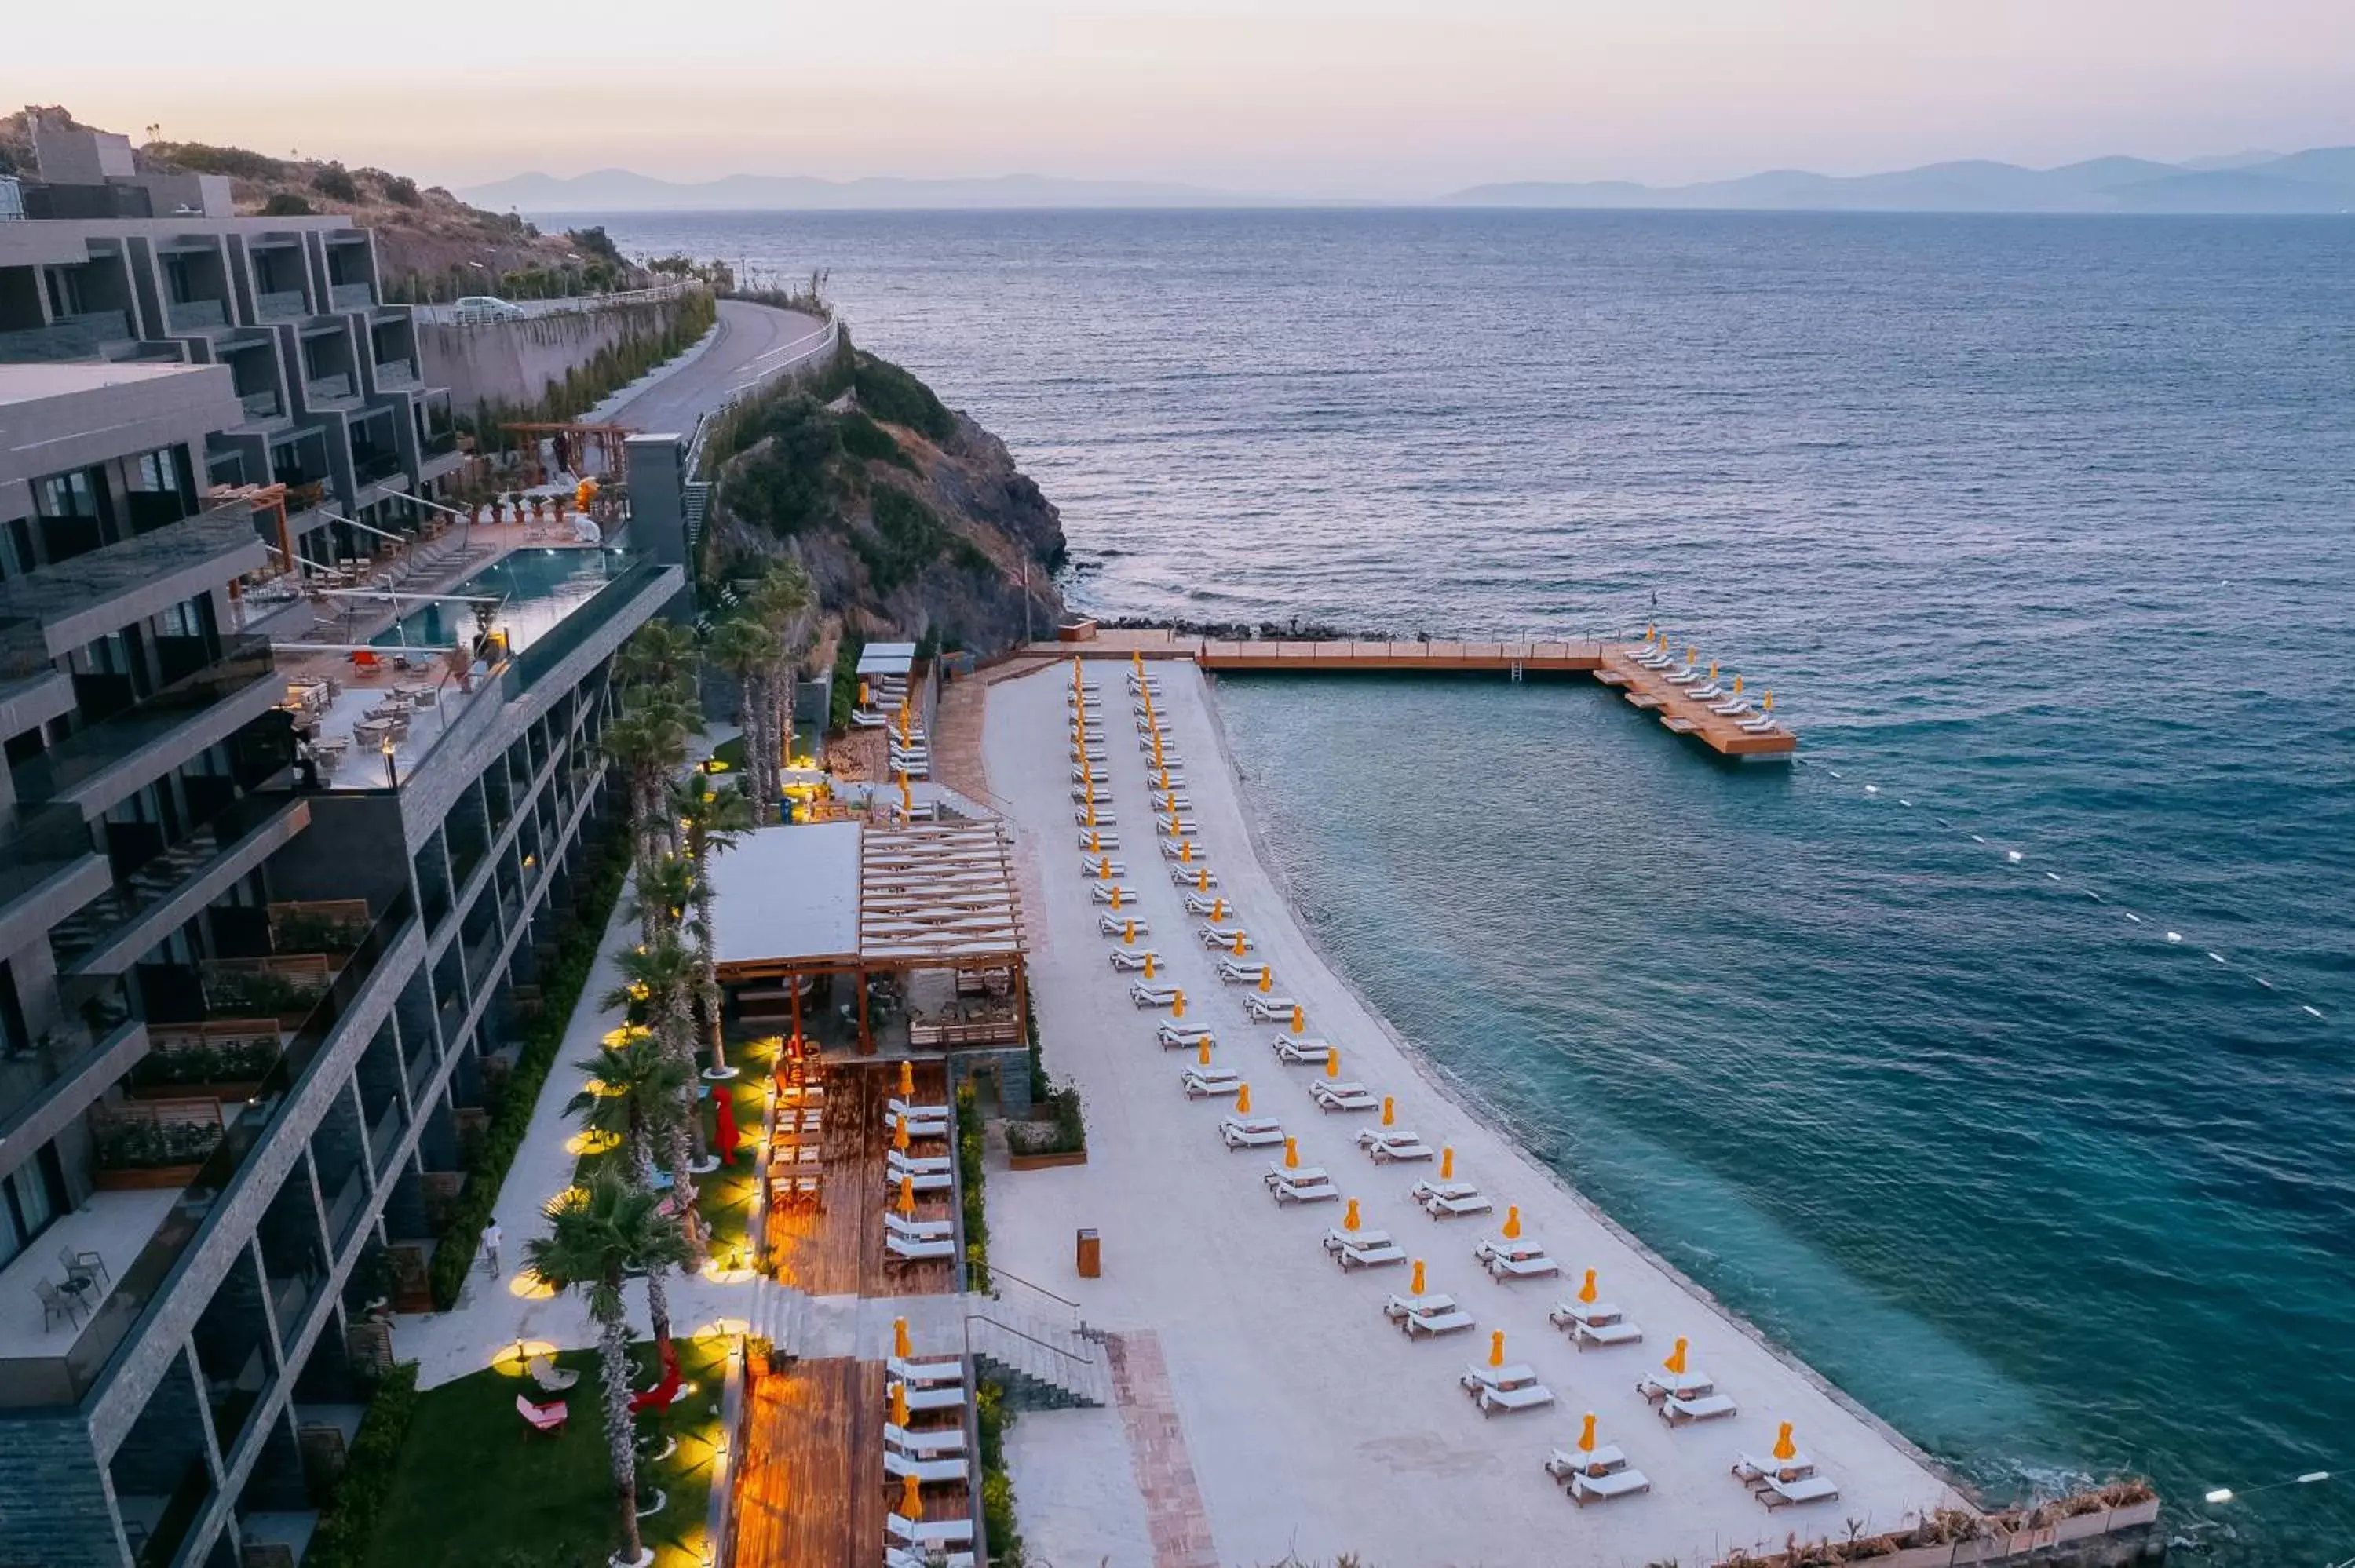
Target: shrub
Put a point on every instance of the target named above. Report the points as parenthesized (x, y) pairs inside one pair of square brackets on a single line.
[(846, 681), (286, 204), (908, 536), (868, 441), (198, 158), (993, 1416), (346, 1528), (973, 1179), (399, 190), (1064, 1129), (335, 182), (892, 395)]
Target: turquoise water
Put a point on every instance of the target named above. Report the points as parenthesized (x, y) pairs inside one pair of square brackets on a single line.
[(536, 588), (2041, 524)]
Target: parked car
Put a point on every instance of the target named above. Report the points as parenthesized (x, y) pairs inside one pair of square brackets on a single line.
[(487, 308)]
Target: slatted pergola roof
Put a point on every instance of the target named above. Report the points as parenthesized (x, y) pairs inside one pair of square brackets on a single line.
[(938, 894)]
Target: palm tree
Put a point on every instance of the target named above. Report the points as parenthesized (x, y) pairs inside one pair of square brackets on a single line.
[(664, 973), (657, 654), (597, 1237), (662, 892), (716, 819), (780, 599), (748, 650), (649, 740), (638, 1092)]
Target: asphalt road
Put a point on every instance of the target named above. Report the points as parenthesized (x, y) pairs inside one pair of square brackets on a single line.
[(754, 341)]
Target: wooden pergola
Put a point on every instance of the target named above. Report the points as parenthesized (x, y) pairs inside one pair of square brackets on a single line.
[(800, 902), (573, 440)]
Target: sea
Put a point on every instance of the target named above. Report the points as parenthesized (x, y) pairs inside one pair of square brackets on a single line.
[(1996, 1057)]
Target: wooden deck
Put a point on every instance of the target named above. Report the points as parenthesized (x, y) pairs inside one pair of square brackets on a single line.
[(1652, 690), (810, 1492), (835, 1247), (1406, 658)]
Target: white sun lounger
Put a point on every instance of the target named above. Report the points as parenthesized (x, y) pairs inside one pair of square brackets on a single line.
[(1086, 774), (1205, 903), (1677, 1409), (1562, 1462), (1780, 1493), (1732, 708), (1654, 657), (1183, 1036), (1216, 937), (1342, 1097), (1686, 676), (924, 1443), (1109, 841), (1384, 1144), (1299, 1050), (929, 1400), (1133, 958), (1117, 922), (1235, 972), (1250, 1131), (1201, 1082), (922, 1181), (902, 1557), (1753, 1471), (1173, 850), (1523, 1259), (1105, 892), (1193, 875), (1151, 993), (918, 1230), (898, 1249), (1763, 725), (1292, 1189), (895, 1107), (1104, 819), (930, 1532), (1707, 693), (928, 1372), (928, 1472), (1622, 1480), (1512, 1387), (907, 1165), (1095, 795), (1090, 866), (1451, 1200), (1593, 1326), (1363, 1249), (1174, 827), (1171, 803), (1434, 1321), (1268, 1009)]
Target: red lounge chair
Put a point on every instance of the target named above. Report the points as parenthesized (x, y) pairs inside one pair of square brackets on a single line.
[(548, 1417), (659, 1397)]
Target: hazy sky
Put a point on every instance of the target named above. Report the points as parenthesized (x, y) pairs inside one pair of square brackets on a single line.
[(1385, 98)]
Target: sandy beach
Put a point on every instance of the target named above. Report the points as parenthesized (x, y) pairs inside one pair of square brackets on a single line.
[(1305, 1423)]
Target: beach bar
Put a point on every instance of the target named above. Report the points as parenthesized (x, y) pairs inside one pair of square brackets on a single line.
[(924, 922)]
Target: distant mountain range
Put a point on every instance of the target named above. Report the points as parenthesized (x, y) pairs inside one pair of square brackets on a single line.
[(2320, 180)]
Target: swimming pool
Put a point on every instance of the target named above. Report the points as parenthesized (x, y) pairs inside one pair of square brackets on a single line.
[(536, 589)]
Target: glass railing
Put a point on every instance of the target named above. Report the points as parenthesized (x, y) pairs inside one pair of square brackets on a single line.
[(262, 405), (392, 373), (327, 388), (344, 1210), (35, 843), (99, 1012), (71, 337), (384, 1133), (368, 466), (140, 888), (282, 305), (440, 444), (564, 638), (176, 1518), (291, 1295), (66, 1378), (350, 296), (243, 662), (194, 315)]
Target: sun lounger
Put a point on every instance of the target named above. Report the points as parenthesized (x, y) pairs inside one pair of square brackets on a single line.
[(1279, 1172), (929, 1532), (1292, 1189), (1105, 892), (1086, 774), (1269, 1009), (1686, 676), (1174, 827), (1763, 725), (1151, 993), (1118, 922), (1451, 1200), (1209, 1082), (1215, 937), (1235, 972), (1086, 795), (1707, 693), (898, 1249), (1133, 958), (918, 1230), (1563, 1463), (549, 1376), (1522, 1259), (1594, 1327), (902, 1557), (1753, 1471), (1780, 1493), (1331, 1096), (1654, 658), (1677, 1409), (1510, 1387), (1104, 819), (940, 1397), (1299, 1050), (1363, 1249), (1205, 904), (1433, 1322), (1383, 1145), (928, 1472), (1172, 803), (1250, 1131), (905, 1165), (1109, 841), (924, 1443), (1732, 708), (1196, 876), (1658, 1385), (1182, 1036), (928, 1372), (1092, 867), (543, 1417), (1173, 850), (920, 1181), (1399, 1308), (1598, 1481)]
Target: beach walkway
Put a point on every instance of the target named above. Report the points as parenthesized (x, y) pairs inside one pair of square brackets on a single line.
[(1282, 1395)]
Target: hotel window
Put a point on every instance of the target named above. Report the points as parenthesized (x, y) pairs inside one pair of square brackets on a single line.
[(29, 1200), (68, 494)]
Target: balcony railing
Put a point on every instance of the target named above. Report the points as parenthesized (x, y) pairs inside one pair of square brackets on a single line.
[(243, 662), (282, 305), (66, 1378), (396, 375), (83, 336), (559, 641), (91, 1024), (442, 443), (167, 876), (262, 405), (351, 296), (327, 388), (384, 1133), (36, 844), (195, 315), (369, 466)]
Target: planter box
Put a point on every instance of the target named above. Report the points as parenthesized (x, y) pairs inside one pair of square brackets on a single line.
[(227, 1094), (144, 1178), (2083, 1526), (2132, 1514), (1046, 1162)]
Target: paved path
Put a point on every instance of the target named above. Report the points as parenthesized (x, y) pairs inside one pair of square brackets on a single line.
[(754, 341)]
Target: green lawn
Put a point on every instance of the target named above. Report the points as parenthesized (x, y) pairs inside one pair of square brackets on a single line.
[(476, 1486), (723, 1197)]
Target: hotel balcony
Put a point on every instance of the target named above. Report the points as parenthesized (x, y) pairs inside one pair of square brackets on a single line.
[(396, 375), (85, 336), (161, 1167), (50, 866), (197, 315), (97, 767), (351, 296), (75, 602), (288, 305), (146, 904)]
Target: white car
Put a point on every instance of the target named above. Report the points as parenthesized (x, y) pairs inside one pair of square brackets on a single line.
[(476, 308)]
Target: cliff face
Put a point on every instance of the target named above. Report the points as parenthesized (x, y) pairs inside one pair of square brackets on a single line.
[(911, 519)]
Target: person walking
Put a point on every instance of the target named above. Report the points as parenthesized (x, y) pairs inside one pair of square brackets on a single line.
[(490, 1239)]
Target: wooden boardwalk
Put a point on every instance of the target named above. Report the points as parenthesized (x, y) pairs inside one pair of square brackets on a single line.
[(835, 1248), (1652, 690)]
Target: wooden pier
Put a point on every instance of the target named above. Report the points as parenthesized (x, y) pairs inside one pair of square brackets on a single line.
[(1612, 663)]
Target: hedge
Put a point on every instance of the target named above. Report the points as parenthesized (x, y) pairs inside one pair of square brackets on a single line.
[(543, 1037), (345, 1532), (970, 1178)]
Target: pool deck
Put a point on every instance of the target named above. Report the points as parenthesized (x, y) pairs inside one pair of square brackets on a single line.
[(1292, 1410)]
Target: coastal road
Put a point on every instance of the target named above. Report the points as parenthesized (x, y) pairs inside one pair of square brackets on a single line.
[(754, 343)]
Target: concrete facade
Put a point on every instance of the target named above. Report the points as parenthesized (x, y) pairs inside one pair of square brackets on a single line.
[(158, 833), (513, 362)]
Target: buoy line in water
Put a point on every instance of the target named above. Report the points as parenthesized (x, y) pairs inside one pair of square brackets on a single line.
[(2171, 935)]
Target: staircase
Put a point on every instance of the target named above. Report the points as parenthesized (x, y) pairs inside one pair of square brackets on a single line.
[(698, 503), (781, 1315), (1041, 1365)]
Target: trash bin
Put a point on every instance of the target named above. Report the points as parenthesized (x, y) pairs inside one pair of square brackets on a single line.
[(1091, 1255)]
